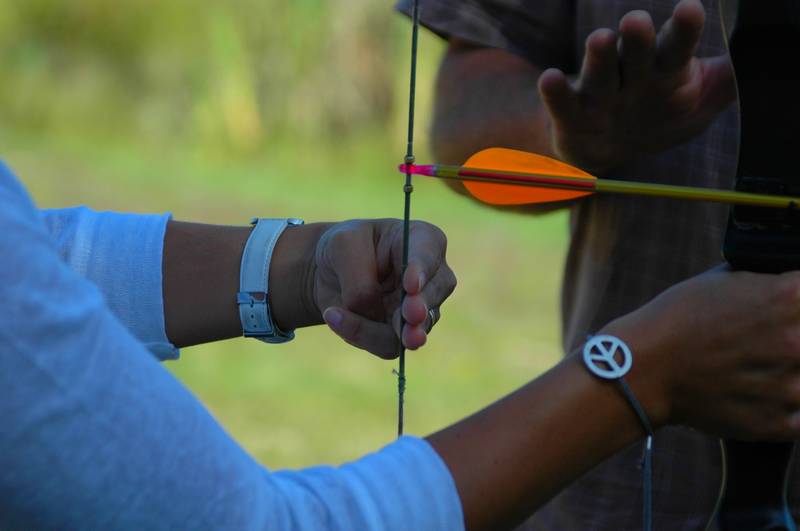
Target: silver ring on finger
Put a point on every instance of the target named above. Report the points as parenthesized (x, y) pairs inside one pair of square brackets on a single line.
[(433, 317)]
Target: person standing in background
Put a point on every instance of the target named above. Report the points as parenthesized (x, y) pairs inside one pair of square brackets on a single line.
[(626, 89)]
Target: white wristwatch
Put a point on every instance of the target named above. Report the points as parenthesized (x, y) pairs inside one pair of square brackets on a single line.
[(253, 296)]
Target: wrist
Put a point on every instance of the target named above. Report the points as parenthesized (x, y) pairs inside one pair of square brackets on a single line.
[(292, 274), (649, 375)]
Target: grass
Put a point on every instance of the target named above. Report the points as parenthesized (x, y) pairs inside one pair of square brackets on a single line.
[(317, 399), (307, 123)]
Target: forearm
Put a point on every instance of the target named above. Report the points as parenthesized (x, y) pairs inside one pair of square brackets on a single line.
[(97, 435), (201, 265), (487, 97), (513, 456)]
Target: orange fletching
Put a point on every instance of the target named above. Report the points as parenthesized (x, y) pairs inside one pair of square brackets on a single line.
[(503, 159)]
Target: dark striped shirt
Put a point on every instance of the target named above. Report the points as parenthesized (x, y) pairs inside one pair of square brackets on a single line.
[(623, 251)]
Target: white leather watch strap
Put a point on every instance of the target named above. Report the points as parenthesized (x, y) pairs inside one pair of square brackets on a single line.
[(253, 296)]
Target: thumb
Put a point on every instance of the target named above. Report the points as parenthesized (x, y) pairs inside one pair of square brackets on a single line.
[(719, 84), (374, 337)]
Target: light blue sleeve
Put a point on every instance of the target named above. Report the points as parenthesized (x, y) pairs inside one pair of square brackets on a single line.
[(121, 254), (97, 435)]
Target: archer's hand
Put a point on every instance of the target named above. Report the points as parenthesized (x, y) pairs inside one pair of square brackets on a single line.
[(358, 279), (637, 92), (721, 352)]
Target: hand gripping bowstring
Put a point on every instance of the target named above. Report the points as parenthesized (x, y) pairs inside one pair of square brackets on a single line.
[(407, 189)]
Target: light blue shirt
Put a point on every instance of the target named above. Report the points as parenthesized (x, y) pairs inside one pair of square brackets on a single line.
[(95, 434)]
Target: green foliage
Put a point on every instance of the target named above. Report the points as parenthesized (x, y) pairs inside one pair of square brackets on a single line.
[(218, 111), (230, 75), (317, 399)]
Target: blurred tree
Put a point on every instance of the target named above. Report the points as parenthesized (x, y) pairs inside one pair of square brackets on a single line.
[(233, 75)]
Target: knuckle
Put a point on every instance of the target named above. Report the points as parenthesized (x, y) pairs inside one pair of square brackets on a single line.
[(442, 237), (339, 236), (437, 232), (452, 281)]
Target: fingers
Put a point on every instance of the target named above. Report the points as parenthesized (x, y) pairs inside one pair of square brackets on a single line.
[(763, 420), (428, 281), (414, 337), (362, 283), (379, 338), (600, 71), (432, 295), (636, 48), (718, 85), (426, 254), (416, 308), (747, 420), (558, 97), (415, 334), (747, 380), (764, 406), (376, 337), (680, 36)]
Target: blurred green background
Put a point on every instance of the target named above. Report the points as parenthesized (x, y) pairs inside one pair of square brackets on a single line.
[(218, 111)]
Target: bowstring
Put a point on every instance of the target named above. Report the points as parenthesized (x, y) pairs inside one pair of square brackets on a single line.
[(407, 189)]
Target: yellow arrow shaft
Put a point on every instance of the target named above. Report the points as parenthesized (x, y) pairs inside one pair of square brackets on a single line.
[(538, 180), (696, 194)]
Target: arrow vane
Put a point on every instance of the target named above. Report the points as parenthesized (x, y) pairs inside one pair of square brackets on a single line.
[(500, 176)]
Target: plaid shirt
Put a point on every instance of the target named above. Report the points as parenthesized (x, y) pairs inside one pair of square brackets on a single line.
[(623, 252)]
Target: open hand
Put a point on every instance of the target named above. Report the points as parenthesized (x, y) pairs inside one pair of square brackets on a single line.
[(638, 91)]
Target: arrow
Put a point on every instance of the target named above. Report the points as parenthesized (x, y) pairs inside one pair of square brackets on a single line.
[(500, 176)]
